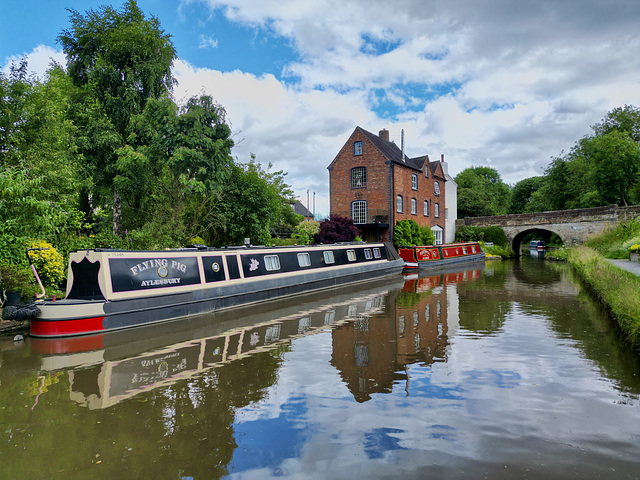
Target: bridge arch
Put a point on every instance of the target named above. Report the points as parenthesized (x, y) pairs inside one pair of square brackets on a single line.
[(516, 240)]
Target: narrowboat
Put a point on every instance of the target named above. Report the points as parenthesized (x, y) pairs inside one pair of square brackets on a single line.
[(439, 256), (111, 289)]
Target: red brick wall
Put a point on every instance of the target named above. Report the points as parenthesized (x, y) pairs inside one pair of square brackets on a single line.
[(402, 186), (376, 192)]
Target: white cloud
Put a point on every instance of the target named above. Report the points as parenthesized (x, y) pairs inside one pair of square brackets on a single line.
[(207, 41), (39, 60)]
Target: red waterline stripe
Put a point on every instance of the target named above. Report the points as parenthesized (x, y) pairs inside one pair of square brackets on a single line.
[(54, 328), (84, 343)]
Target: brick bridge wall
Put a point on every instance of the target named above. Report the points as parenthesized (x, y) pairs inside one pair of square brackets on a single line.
[(572, 226)]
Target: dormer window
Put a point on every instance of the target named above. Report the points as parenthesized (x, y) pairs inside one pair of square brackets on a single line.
[(357, 148), (359, 177), (414, 181)]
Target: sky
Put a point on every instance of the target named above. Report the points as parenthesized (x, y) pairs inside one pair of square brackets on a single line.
[(502, 83)]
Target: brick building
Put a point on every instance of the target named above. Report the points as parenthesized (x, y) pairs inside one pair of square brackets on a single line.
[(373, 182)]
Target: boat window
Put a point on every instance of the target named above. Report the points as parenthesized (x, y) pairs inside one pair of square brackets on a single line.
[(376, 252), (473, 249), (328, 257), (351, 255), (304, 260), (464, 250), (367, 254), (272, 262)]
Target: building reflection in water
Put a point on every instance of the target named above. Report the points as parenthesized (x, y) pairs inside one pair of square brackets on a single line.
[(372, 351)]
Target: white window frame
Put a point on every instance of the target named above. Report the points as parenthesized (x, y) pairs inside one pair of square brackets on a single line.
[(425, 208), (328, 257), (436, 210), (414, 206), (436, 188), (304, 260), (272, 262), (351, 255), (367, 254), (357, 148), (357, 214), (376, 252), (399, 204), (414, 181)]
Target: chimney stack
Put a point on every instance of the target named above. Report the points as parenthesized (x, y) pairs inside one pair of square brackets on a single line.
[(384, 134), (442, 157)]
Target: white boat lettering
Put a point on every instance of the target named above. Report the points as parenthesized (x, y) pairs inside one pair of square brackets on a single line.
[(161, 281), (157, 263)]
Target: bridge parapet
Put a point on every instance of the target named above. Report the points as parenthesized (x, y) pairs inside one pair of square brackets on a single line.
[(573, 226)]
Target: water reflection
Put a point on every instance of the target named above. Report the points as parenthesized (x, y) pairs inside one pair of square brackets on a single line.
[(506, 371)]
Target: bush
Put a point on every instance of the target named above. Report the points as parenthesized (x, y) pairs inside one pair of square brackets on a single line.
[(494, 235), (48, 262), (408, 233), (305, 232), (336, 229), (498, 250)]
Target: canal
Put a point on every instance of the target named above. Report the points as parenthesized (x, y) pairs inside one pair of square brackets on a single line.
[(504, 370)]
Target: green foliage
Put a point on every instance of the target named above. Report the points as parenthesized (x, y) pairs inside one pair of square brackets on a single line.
[(14, 277), (494, 235), (408, 233), (522, 193), (499, 250), (615, 287), (614, 242), (305, 232), (601, 169), (481, 192), (48, 262), (559, 254)]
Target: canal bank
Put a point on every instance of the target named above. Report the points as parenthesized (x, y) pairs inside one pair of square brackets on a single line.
[(616, 284)]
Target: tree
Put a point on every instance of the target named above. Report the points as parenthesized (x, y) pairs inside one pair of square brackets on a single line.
[(119, 60), (522, 192), (481, 192), (337, 229), (623, 119)]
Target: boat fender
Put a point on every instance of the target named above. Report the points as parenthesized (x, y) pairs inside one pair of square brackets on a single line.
[(21, 313)]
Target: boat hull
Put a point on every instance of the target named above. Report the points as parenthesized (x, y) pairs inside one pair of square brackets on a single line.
[(120, 310), (439, 256)]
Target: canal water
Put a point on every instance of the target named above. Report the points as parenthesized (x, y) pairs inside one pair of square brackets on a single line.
[(508, 370)]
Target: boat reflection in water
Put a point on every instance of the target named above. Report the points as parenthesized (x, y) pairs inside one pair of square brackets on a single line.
[(378, 328), (106, 369)]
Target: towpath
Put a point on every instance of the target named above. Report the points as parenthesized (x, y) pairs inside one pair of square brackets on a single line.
[(627, 265)]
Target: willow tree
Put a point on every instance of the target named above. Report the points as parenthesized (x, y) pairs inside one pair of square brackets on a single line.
[(119, 60)]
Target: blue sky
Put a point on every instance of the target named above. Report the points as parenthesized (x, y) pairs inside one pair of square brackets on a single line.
[(500, 83)]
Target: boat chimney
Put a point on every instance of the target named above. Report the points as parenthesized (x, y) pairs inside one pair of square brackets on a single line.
[(384, 134)]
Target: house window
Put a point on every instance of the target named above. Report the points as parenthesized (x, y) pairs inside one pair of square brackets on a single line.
[(376, 252), (436, 210), (272, 262), (357, 148), (414, 181), (414, 206), (304, 260), (426, 170), (359, 177), (436, 188), (399, 204), (359, 211), (328, 257), (367, 254), (425, 208), (351, 255)]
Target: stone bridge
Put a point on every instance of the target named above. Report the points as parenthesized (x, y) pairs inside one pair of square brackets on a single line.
[(572, 226)]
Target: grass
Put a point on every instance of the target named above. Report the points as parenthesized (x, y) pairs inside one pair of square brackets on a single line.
[(614, 287)]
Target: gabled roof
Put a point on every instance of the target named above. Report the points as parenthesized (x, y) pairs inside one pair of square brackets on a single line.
[(300, 209), (393, 152)]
